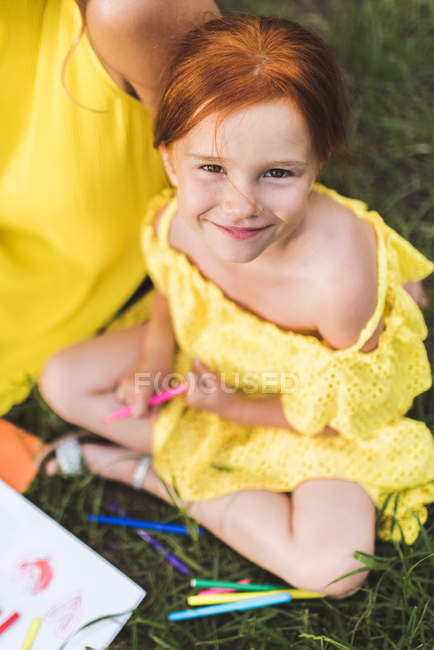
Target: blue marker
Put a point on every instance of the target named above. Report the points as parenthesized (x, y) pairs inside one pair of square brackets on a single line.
[(251, 603), (137, 523)]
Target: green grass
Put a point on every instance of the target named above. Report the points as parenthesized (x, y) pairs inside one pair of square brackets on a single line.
[(386, 48)]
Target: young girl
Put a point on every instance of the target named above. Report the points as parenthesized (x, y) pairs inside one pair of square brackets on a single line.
[(283, 304)]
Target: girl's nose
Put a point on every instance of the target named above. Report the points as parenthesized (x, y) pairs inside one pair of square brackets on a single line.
[(238, 204)]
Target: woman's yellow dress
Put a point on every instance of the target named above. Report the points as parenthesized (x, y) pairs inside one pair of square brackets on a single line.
[(75, 180), (364, 396)]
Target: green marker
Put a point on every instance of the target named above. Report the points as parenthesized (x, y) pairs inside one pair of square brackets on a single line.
[(196, 582)]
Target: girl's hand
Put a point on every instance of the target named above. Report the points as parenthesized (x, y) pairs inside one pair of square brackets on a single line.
[(150, 375), (152, 372), (135, 388), (206, 391)]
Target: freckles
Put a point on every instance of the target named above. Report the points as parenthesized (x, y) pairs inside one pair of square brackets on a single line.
[(291, 210)]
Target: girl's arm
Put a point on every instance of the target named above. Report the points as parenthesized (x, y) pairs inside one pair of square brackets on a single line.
[(261, 412), (149, 374), (159, 339), (135, 40), (208, 393), (341, 320)]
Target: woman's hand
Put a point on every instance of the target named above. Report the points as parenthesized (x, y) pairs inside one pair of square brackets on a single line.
[(206, 391)]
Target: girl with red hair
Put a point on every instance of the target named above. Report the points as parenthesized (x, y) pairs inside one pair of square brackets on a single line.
[(283, 305)]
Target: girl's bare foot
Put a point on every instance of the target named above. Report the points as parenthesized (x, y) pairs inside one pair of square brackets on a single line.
[(109, 461)]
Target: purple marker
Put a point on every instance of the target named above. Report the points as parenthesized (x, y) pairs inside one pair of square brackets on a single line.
[(170, 557)]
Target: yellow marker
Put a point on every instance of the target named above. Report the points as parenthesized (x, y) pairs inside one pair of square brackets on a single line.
[(216, 599), (28, 641)]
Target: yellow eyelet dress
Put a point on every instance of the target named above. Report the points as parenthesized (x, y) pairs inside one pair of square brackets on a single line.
[(362, 395)]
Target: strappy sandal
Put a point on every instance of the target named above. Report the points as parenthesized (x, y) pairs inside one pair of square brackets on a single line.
[(67, 451)]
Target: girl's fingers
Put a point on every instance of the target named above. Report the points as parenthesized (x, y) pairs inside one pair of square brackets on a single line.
[(140, 403), (200, 367), (191, 381), (139, 407), (126, 390), (120, 392), (153, 412)]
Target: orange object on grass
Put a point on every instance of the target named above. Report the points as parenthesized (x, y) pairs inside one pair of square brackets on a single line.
[(18, 452)]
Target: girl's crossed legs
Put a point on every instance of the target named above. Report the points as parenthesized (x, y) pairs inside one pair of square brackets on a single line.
[(307, 538)]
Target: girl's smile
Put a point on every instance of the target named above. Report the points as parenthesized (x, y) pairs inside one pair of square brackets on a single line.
[(241, 233)]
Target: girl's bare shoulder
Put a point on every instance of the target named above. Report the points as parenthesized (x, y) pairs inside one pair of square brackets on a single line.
[(347, 275)]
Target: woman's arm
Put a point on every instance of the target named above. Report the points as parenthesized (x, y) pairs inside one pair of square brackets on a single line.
[(135, 39)]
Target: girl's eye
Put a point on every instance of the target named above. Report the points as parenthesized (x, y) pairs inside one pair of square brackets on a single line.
[(278, 173), (214, 169)]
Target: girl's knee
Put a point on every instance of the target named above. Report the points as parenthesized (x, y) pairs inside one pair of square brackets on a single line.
[(56, 383), (345, 586), (322, 569)]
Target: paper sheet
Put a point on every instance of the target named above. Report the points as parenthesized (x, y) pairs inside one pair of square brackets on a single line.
[(48, 573)]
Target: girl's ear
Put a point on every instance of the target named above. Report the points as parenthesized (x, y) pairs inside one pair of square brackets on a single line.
[(167, 156)]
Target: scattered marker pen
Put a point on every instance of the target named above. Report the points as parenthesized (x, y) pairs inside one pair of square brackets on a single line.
[(253, 603), (8, 622), (31, 634), (168, 556), (218, 599), (219, 590), (138, 523), (237, 586)]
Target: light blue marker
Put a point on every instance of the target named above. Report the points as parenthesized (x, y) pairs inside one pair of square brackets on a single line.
[(251, 603)]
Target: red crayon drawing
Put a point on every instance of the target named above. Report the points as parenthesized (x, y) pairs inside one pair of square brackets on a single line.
[(38, 574), (64, 613)]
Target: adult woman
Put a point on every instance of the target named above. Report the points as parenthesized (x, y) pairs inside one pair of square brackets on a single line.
[(77, 167)]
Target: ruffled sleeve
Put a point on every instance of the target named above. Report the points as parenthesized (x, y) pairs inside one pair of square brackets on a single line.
[(359, 392), (412, 264), (356, 392), (154, 248)]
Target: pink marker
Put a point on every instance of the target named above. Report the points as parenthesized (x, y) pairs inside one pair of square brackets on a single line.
[(164, 396), (220, 590)]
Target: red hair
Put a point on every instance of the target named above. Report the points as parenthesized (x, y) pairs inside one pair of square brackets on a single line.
[(238, 60)]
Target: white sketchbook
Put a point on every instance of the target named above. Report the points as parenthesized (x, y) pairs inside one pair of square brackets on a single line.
[(47, 573)]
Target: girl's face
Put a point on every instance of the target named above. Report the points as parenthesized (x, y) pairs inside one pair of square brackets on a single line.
[(244, 187)]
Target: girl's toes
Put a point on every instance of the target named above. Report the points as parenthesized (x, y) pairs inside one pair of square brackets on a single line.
[(52, 467)]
